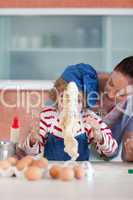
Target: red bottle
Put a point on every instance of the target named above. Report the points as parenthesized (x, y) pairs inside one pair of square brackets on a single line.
[(14, 131)]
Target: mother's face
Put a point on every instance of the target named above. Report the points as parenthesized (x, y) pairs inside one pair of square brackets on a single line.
[(115, 84)]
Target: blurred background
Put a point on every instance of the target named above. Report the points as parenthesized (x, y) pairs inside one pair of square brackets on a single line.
[(40, 47)]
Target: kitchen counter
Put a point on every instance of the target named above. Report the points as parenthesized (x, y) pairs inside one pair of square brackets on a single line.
[(110, 182)]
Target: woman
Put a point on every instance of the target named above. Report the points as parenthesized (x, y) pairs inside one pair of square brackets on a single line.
[(116, 104)]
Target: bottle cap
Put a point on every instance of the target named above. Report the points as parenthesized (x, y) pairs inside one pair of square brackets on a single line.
[(15, 122), (130, 171)]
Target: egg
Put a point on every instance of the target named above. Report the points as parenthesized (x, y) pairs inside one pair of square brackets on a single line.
[(41, 163), (4, 164), (28, 159), (79, 172), (21, 165), (55, 171), (12, 161), (66, 174), (24, 162), (33, 173)]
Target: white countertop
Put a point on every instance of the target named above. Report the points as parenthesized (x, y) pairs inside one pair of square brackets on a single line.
[(110, 182), (26, 84)]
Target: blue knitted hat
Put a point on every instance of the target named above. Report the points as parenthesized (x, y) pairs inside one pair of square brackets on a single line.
[(85, 76)]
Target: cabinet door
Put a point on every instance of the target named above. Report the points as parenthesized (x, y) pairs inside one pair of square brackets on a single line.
[(122, 38), (4, 48), (42, 46)]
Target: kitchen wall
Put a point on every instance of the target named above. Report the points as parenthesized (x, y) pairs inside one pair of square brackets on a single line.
[(65, 3), (15, 103)]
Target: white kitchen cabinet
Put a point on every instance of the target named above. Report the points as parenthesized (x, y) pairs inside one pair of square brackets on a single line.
[(40, 47)]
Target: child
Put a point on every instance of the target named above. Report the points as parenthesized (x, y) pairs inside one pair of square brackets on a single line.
[(92, 129)]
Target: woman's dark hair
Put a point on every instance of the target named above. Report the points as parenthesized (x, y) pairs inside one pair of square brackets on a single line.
[(126, 66)]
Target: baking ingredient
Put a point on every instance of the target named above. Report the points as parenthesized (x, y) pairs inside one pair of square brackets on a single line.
[(33, 173), (69, 118), (12, 161), (66, 174), (41, 163), (24, 162), (55, 171), (79, 172), (4, 164), (28, 159)]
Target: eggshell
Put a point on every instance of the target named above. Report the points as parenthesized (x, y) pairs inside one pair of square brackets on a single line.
[(41, 163), (12, 161), (79, 172), (66, 174), (18, 173), (8, 172), (33, 173), (4, 164), (55, 171)]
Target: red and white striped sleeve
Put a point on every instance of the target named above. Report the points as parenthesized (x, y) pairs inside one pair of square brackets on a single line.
[(109, 145), (46, 119)]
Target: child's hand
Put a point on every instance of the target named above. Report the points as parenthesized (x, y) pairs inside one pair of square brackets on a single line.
[(93, 122), (95, 128), (33, 138)]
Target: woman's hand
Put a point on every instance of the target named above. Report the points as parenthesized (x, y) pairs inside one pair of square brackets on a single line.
[(128, 146)]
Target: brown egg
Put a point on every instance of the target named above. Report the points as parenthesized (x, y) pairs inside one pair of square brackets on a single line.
[(79, 172), (24, 162), (28, 159), (4, 164), (41, 163), (21, 164), (55, 171), (33, 173), (66, 174), (12, 161)]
